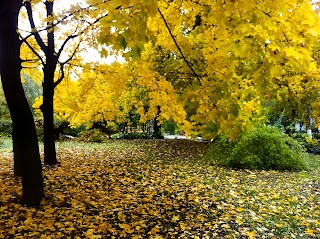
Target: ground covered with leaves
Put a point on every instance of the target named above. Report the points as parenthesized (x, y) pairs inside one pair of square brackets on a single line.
[(158, 189)]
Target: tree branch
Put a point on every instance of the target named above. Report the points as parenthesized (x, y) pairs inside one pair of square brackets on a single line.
[(33, 50), (73, 54), (176, 43), (30, 60), (61, 76), (49, 27), (33, 27), (27, 67), (75, 51), (65, 43), (78, 35), (63, 63)]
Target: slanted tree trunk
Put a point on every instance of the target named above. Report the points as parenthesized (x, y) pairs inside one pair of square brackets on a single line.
[(25, 142)]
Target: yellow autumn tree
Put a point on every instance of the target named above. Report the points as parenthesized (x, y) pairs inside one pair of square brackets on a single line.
[(237, 51), (108, 94), (234, 53), (93, 97)]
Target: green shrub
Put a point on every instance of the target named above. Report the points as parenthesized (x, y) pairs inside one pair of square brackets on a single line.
[(5, 127), (169, 127), (264, 148)]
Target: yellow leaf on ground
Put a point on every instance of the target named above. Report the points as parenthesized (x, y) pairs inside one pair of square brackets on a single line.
[(175, 218), (154, 231), (309, 232), (251, 235)]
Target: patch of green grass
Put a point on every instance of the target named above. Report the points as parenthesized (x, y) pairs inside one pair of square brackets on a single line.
[(313, 162), (5, 143), (313, 172)]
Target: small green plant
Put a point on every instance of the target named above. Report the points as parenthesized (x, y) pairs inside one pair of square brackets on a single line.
[(264, 148), (169, 127), (5, 127)]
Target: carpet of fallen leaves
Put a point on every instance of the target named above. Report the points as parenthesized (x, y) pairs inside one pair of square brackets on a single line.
[(158, 189)]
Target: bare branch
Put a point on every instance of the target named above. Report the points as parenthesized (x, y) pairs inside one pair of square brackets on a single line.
[(75, 51), (73, 54), (65, 17), (27, 67), (61, 76), (27, 37), (33, 27), (48, 27), (62, 64), (30, 60), (65, 43), (78, 35), (33, 50)]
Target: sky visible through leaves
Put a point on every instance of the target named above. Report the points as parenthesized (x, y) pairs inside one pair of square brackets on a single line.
[(158, 189)]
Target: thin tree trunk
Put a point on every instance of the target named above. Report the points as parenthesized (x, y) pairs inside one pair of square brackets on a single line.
[(50, 157), (26, 149), (157, 126)]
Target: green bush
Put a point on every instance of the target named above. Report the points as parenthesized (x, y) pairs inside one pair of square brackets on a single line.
[(169, 127), (264, 148), (5, 127)]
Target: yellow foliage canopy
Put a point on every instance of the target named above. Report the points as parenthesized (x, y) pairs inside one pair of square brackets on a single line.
[(109, 93), (238, 49)]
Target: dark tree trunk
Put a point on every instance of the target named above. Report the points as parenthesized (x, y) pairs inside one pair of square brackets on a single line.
[(50, 157), (17, 155), (157, 126), (26, 150), (156, 130)]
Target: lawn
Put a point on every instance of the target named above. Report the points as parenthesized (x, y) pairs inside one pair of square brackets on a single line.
[(159, 189)]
